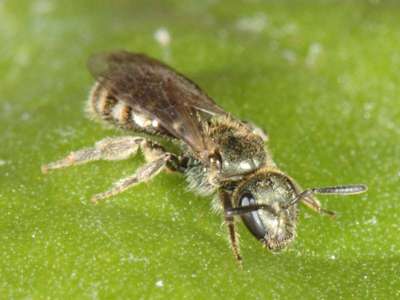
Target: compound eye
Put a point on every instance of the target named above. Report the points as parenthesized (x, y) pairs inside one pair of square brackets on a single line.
[(252, 219)]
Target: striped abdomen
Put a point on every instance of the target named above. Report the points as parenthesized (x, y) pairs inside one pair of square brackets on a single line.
[(103, 105)]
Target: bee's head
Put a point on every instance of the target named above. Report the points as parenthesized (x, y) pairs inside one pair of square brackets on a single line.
[(268, 202), (275, 224)]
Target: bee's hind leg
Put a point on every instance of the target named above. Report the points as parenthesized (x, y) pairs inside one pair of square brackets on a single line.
[(117, 148), (143, 174), (157, 160), (120, 148)]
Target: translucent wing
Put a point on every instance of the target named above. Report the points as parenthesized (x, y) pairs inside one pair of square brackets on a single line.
[(158, 92)]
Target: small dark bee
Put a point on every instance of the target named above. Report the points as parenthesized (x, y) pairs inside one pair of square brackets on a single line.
[(218, 154)]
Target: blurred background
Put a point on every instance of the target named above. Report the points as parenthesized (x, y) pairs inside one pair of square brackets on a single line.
[(321, 77)]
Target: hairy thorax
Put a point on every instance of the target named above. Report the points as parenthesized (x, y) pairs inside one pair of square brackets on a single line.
[(242, 152)]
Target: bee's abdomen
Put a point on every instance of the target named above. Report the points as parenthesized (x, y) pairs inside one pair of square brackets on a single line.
[(102, 105)]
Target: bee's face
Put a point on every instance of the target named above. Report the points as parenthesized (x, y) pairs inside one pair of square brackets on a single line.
[(275, 227)]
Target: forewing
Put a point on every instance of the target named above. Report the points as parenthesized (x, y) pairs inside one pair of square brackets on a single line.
[(158, 92)]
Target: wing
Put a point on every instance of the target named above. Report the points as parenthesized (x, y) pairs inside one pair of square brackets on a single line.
[(158, 92)]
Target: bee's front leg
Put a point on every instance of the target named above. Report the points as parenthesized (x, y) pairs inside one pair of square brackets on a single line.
[(226, 202), (314, 204)]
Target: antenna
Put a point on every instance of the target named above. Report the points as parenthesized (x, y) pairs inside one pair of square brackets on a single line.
[(351, 189)]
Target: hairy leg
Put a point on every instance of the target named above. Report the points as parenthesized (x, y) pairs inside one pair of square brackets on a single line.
[(314, 204), (117, 148), (230, 223), (143, 174)]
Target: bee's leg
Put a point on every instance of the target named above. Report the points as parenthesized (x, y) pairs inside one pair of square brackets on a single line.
[(230, 223), (314, 204), (152, 151), (143, 174), (116, 148)]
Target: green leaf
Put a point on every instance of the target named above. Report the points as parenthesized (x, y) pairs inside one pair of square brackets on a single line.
[(322, 78)]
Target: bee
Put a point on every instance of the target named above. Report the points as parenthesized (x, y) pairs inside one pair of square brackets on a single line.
[(219, 155)]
